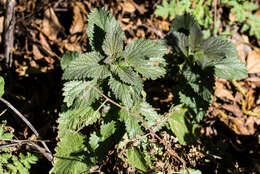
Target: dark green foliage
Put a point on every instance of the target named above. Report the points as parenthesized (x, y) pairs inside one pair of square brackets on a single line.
[(11, 162), (109, 69), (201, 61), (103, 91)]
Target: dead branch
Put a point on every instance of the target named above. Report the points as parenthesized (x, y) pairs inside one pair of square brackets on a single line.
[(9, 32), (29, 125)]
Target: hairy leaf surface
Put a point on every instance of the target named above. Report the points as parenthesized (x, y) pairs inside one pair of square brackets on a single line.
[(231, 68), (113, 43), (127, 94), (143, 55), (178, 124), (86, 66), (153, 119), (107, 129), (79, 92), (70, 155), (94, 141), (67, 58), (131, 123), (187, 25), (215, 50), (74, 119), (127, 75)]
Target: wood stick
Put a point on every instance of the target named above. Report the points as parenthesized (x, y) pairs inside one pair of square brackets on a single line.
[(9, 32), (28, 124)]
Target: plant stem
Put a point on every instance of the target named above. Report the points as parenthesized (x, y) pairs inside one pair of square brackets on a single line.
[(168, 147), (28, 124)]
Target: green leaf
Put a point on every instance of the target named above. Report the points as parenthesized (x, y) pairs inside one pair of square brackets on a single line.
[(231, 68), (86, 66), (2, 86), (214, 50), (127, 75), (67, 58), (254, 24), (71, 157), (80, 92), (5, 135), (153, 119), (113, 43), (94, 140), (111, 35), (180, 125), (250, 6), (106, 130), (195, 105), (136, 159), (98, 19), (186, 25), (131, 123), (127, 94), (179, 42), (74, 119), (143, 55), (186, 22), (201, 82)]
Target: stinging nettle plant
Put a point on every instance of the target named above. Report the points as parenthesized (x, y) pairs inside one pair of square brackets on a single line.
[(197, 62), (104, 100), (104, 86)]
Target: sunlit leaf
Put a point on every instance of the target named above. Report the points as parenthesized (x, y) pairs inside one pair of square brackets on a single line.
[(136, 159)]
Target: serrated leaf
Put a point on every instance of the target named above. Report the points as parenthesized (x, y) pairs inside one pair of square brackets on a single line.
[(187, 22), (214, 50), (143, 55), (67, 58), (196, 105), (111, 36), (186, 25), (74, 119), (231, 68), (70, 155), (86, 66), (97, 20), (127, 94), (72, 90), (2, 86), (94, 140), (143, 49), (79, 92), (136, 159), (131, 123), (179, 42), (113, 43), (254, 23), (200, 81), (107, 129), (127, 75), (153, 119)]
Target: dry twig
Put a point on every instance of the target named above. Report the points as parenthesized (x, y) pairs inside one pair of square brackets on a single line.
[(9, 32), (47, 150)]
